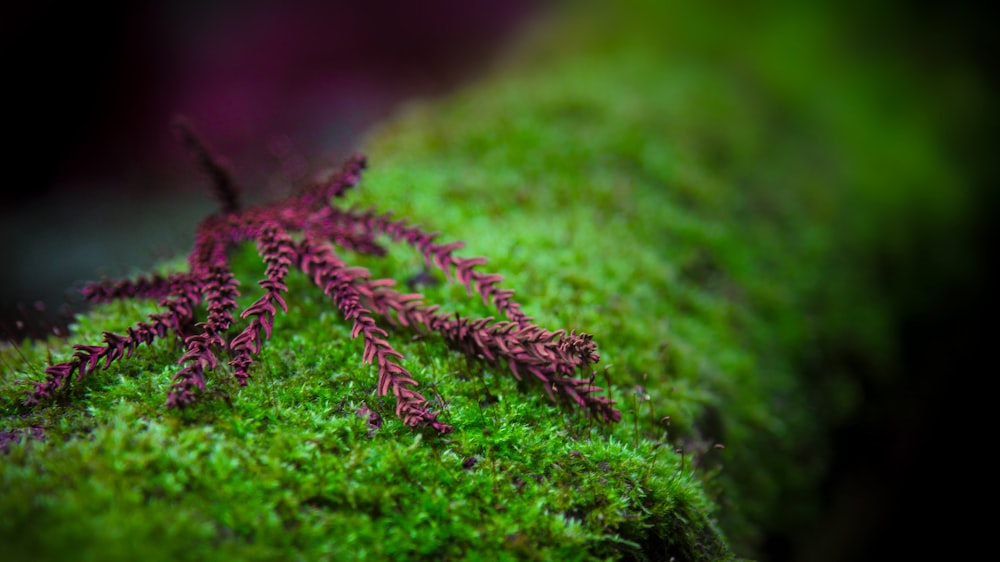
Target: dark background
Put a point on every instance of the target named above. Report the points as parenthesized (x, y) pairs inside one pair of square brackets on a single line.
[(98, 185)]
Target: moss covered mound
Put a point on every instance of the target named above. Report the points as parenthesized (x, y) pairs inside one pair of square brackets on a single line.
[(708, 219)]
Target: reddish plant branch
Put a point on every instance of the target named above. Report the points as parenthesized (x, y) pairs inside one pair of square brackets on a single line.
[(279, 252), (441, 257), (303, 230), (552, 357), (338, 282), (184, 297)]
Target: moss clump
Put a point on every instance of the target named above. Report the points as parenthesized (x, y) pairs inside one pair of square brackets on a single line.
[(286, 467)]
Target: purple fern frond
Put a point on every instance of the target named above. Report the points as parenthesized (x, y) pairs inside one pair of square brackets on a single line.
[(224, 189), (551, 357), (304, 231), (279, 252), (440, 256), (88, 357), (338, 282), (142, 287)]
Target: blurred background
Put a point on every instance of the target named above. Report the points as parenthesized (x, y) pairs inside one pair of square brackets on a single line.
[(99, 186)]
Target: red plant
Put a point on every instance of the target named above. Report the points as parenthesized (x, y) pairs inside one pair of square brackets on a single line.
[(556, 359)]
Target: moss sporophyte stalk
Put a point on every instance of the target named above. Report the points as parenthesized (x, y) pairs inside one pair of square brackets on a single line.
[(306, 230)]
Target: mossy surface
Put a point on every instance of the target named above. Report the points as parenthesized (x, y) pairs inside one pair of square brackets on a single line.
[(702, 221)]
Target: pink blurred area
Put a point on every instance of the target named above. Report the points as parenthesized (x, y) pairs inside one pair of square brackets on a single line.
[(96, 85), (100, 183)]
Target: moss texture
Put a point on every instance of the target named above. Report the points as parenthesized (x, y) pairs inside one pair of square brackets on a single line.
[(704, 219)]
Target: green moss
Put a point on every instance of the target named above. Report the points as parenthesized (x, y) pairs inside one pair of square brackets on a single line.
[(707, 222), (286, 468)]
